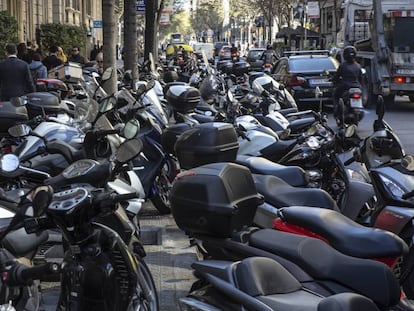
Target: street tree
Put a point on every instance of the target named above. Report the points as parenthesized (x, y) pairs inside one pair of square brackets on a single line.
[(273, 10), (109, 23), (130, 38), (208, 15)]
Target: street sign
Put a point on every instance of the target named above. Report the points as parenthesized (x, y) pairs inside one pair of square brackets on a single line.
[(141, 6), (97, 24)]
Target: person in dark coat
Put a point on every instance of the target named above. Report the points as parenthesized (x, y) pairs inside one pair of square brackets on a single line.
[(76, 56), (51, 61), (15, 77)]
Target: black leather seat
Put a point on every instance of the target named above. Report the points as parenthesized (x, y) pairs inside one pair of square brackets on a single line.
[(293, 175), (344, 234), (266, 280), (280, 194), (369, 278)]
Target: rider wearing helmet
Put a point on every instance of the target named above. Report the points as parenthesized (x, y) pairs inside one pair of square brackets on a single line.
[(348, 75)]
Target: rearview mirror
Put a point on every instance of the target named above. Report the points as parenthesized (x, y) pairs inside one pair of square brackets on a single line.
[(41, 198), (408, 162), (350, 130), (107, 104), (107, 74), (131, 129), (128, 150)]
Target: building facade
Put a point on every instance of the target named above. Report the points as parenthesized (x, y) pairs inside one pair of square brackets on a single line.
[(30, 14)]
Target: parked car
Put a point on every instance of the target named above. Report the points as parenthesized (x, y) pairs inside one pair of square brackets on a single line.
[(217, 47), (254, 58), (304, 73), (225, 53)]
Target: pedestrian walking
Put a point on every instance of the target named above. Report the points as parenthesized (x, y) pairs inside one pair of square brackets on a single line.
[(51, 61), (77, 57), (15, 77), (61, 55)]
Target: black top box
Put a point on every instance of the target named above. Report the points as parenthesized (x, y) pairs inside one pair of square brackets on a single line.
[(207, 143), (11, 113), (215, 199), (183, 98), (40, 103)]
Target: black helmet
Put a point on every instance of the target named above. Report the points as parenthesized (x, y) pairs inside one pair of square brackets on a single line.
[(349, 53)]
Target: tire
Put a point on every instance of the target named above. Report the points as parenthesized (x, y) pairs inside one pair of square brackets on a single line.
[(411, 97), (147, 296), (389, 100), (163, 184), (407, 264)]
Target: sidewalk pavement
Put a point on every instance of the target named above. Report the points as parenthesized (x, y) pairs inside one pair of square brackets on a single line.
[(169, 257)]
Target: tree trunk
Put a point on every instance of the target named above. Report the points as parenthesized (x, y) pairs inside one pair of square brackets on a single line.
[(150, 29), (130, 38), (109, 23)]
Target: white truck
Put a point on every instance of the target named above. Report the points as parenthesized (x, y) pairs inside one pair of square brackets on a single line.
[(382, 32)]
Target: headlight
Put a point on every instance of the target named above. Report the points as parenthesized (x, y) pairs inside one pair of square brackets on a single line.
[(392, 187), (355, 175)]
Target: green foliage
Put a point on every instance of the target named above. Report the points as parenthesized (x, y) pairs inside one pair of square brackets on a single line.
[(209, 15), (180, 22), (65, 36), (8, 33)]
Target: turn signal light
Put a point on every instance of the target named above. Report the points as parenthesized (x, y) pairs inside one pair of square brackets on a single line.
[(356, 95), (399, 79), (295, 81)]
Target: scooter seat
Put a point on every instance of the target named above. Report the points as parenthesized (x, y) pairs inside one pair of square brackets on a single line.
[(369, 278), (345, 235), (282, 291), (293, 175), (279, 193), (300, 125)]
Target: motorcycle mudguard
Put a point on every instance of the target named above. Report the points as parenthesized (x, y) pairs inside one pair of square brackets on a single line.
[(394, 218), (358, 193)]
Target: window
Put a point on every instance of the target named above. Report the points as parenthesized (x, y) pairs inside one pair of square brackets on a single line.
[(312, 64)]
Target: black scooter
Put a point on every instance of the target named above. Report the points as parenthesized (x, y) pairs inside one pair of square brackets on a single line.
[(246, 284), (215, 205)]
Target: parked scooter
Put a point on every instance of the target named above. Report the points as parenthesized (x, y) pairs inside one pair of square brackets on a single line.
[(259, 283), (220, 227)]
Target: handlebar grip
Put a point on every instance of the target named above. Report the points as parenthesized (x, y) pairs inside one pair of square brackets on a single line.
[(102, 133), (407, 195), (125, 197), (20, 274), (33, 273), (349, 161)]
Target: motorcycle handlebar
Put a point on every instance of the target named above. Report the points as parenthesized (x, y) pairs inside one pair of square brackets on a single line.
[(349, 161), (103, 133), (20, 274), (407, 195), (108, 200)]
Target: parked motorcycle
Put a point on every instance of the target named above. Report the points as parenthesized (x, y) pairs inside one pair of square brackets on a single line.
[(103, 266)]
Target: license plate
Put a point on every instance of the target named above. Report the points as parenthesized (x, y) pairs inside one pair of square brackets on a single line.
[(319, 81), (356, 103)]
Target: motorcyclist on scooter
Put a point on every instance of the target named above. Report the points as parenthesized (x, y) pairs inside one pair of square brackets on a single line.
[(234, 53), (347, 76)]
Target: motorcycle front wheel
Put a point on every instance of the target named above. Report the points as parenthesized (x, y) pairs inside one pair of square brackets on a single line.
[(147, 297), (163, 185)]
